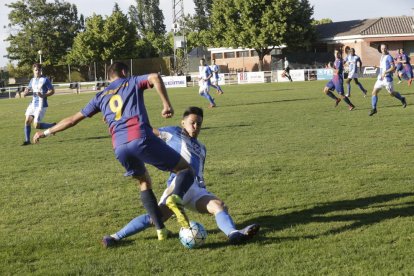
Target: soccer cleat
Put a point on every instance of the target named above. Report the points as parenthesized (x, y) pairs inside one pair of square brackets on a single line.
[(399, 82), (211, 106), (351, 107), (337, 101), (365, 92), (109, 241), (404, 102), (175, 204), (243, 235), (163, 234), (409, 82), (348, 95), (373, 111), (26, 143)]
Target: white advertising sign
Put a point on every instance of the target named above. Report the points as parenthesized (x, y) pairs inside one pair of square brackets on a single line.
[(250, 77), (297, 75), (175, 81)]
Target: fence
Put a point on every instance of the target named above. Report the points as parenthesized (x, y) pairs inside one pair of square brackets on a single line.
[(192, 80)]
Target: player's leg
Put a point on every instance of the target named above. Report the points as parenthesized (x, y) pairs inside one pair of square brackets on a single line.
[(38, 117), (205, 93), (27, 129), (360, 86), (339, 86), (374, 97), (217, 86), (390, 88), (288, 74), (328, 92), (348, 85)]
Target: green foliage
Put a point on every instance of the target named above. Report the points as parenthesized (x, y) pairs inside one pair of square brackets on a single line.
[(263, 24), (332, 189), (321, 21), (39, 25)]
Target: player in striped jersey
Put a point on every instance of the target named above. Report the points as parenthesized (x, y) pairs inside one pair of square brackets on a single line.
[(42, 89), (184, 141), (215, 78), (353, 60), (204, 83)]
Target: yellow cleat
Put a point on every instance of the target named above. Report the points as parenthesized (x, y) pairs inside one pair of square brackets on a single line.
[(163, 234), (175, 204)]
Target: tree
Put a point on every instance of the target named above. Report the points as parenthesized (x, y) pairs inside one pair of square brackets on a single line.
[(39, 25), (262, 25), (321, 21)]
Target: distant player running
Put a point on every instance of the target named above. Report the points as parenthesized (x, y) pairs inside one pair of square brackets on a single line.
[(122, 105), (353, 60), (184, 141), (204, 83), (385, 80), (337, 82), (407, 70), (286, 69), (215, 78), (42, 88), (398, 65)]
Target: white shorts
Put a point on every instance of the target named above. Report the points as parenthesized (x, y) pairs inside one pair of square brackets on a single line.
[(214, 80), (204, 86), (37, 112), (191, 196), (352, 75), (389, 85)]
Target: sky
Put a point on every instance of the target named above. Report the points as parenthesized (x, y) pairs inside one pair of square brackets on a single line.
[(353, 9)]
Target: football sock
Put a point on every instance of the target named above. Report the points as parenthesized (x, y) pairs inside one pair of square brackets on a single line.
[(331, 95), (374, 101), (46, 125), (150, 204), (225, 223), (361, 87), (346, 99), (398, 96), (349, 88), (183, 182), (136, 225), (27, 130), (209, 98)]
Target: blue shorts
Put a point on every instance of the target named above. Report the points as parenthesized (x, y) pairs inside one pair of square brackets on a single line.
[(408, 70), (336, 85), (151, 150), (399, 67)]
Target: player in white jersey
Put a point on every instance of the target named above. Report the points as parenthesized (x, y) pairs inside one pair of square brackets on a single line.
[(204, 82), (42, 89), (353, 60), (286, 69), (184, 140), (384, 80), (215, 78)]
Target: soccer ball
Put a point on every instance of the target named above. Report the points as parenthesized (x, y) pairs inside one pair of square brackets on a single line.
[(194, 236)]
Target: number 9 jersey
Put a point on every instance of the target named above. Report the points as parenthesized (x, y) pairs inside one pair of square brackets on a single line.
[(122, 105)]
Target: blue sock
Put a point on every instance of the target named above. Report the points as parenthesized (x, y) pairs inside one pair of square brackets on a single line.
[(136, 225), (209, 98), (46, 125), (361, 87), (225, 223), (374, 101), (27, 130), (398, 96), (349, 88), (151, 205)]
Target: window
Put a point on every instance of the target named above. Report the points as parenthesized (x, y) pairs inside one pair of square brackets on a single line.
[(230, 55), (218, 55)]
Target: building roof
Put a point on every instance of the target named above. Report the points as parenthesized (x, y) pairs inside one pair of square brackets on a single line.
[(401, 25)]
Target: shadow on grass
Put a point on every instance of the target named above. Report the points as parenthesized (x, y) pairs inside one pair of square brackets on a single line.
[(367, 211)]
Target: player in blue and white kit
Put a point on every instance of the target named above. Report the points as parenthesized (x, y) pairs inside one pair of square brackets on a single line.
[(184, 141), (337, 83), (353, 60), (204, 83), (215, 78), (42, 88), (385, 80), (122, 105)]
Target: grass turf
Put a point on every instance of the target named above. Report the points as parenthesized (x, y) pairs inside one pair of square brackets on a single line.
[(332, 189)]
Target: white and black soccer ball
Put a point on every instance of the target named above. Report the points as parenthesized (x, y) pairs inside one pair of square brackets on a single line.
[(194, 236)]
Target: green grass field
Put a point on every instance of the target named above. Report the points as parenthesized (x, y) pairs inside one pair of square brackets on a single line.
[(333, 190)]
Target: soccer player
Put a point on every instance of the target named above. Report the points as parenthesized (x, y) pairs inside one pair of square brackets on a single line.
[(287, 69), (353, 60), (407, 69), (399, 65), (204, 83), (337, 82), (184, 141), (122, 105), (215, 78), (42, 89), (385, 80)]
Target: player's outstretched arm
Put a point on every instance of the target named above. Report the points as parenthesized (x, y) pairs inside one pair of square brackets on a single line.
[(61, 126), (156, 81)]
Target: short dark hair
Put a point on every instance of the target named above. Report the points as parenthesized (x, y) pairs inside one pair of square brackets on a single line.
[(116, 68), (203, 59), (193, 110), (38, 66)]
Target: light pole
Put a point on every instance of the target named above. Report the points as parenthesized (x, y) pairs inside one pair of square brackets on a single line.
[(40, 56)]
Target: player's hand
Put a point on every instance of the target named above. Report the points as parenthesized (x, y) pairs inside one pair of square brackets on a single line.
[(37, 137), (40, 94), (167, 112)]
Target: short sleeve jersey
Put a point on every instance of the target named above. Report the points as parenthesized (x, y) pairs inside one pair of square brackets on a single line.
[(386, 62), (40, 85), (189, 148), (214, 69), (339, 65), (122, 105), (352, 61)]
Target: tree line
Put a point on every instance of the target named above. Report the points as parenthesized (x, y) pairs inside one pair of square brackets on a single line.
[(66, 37)]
